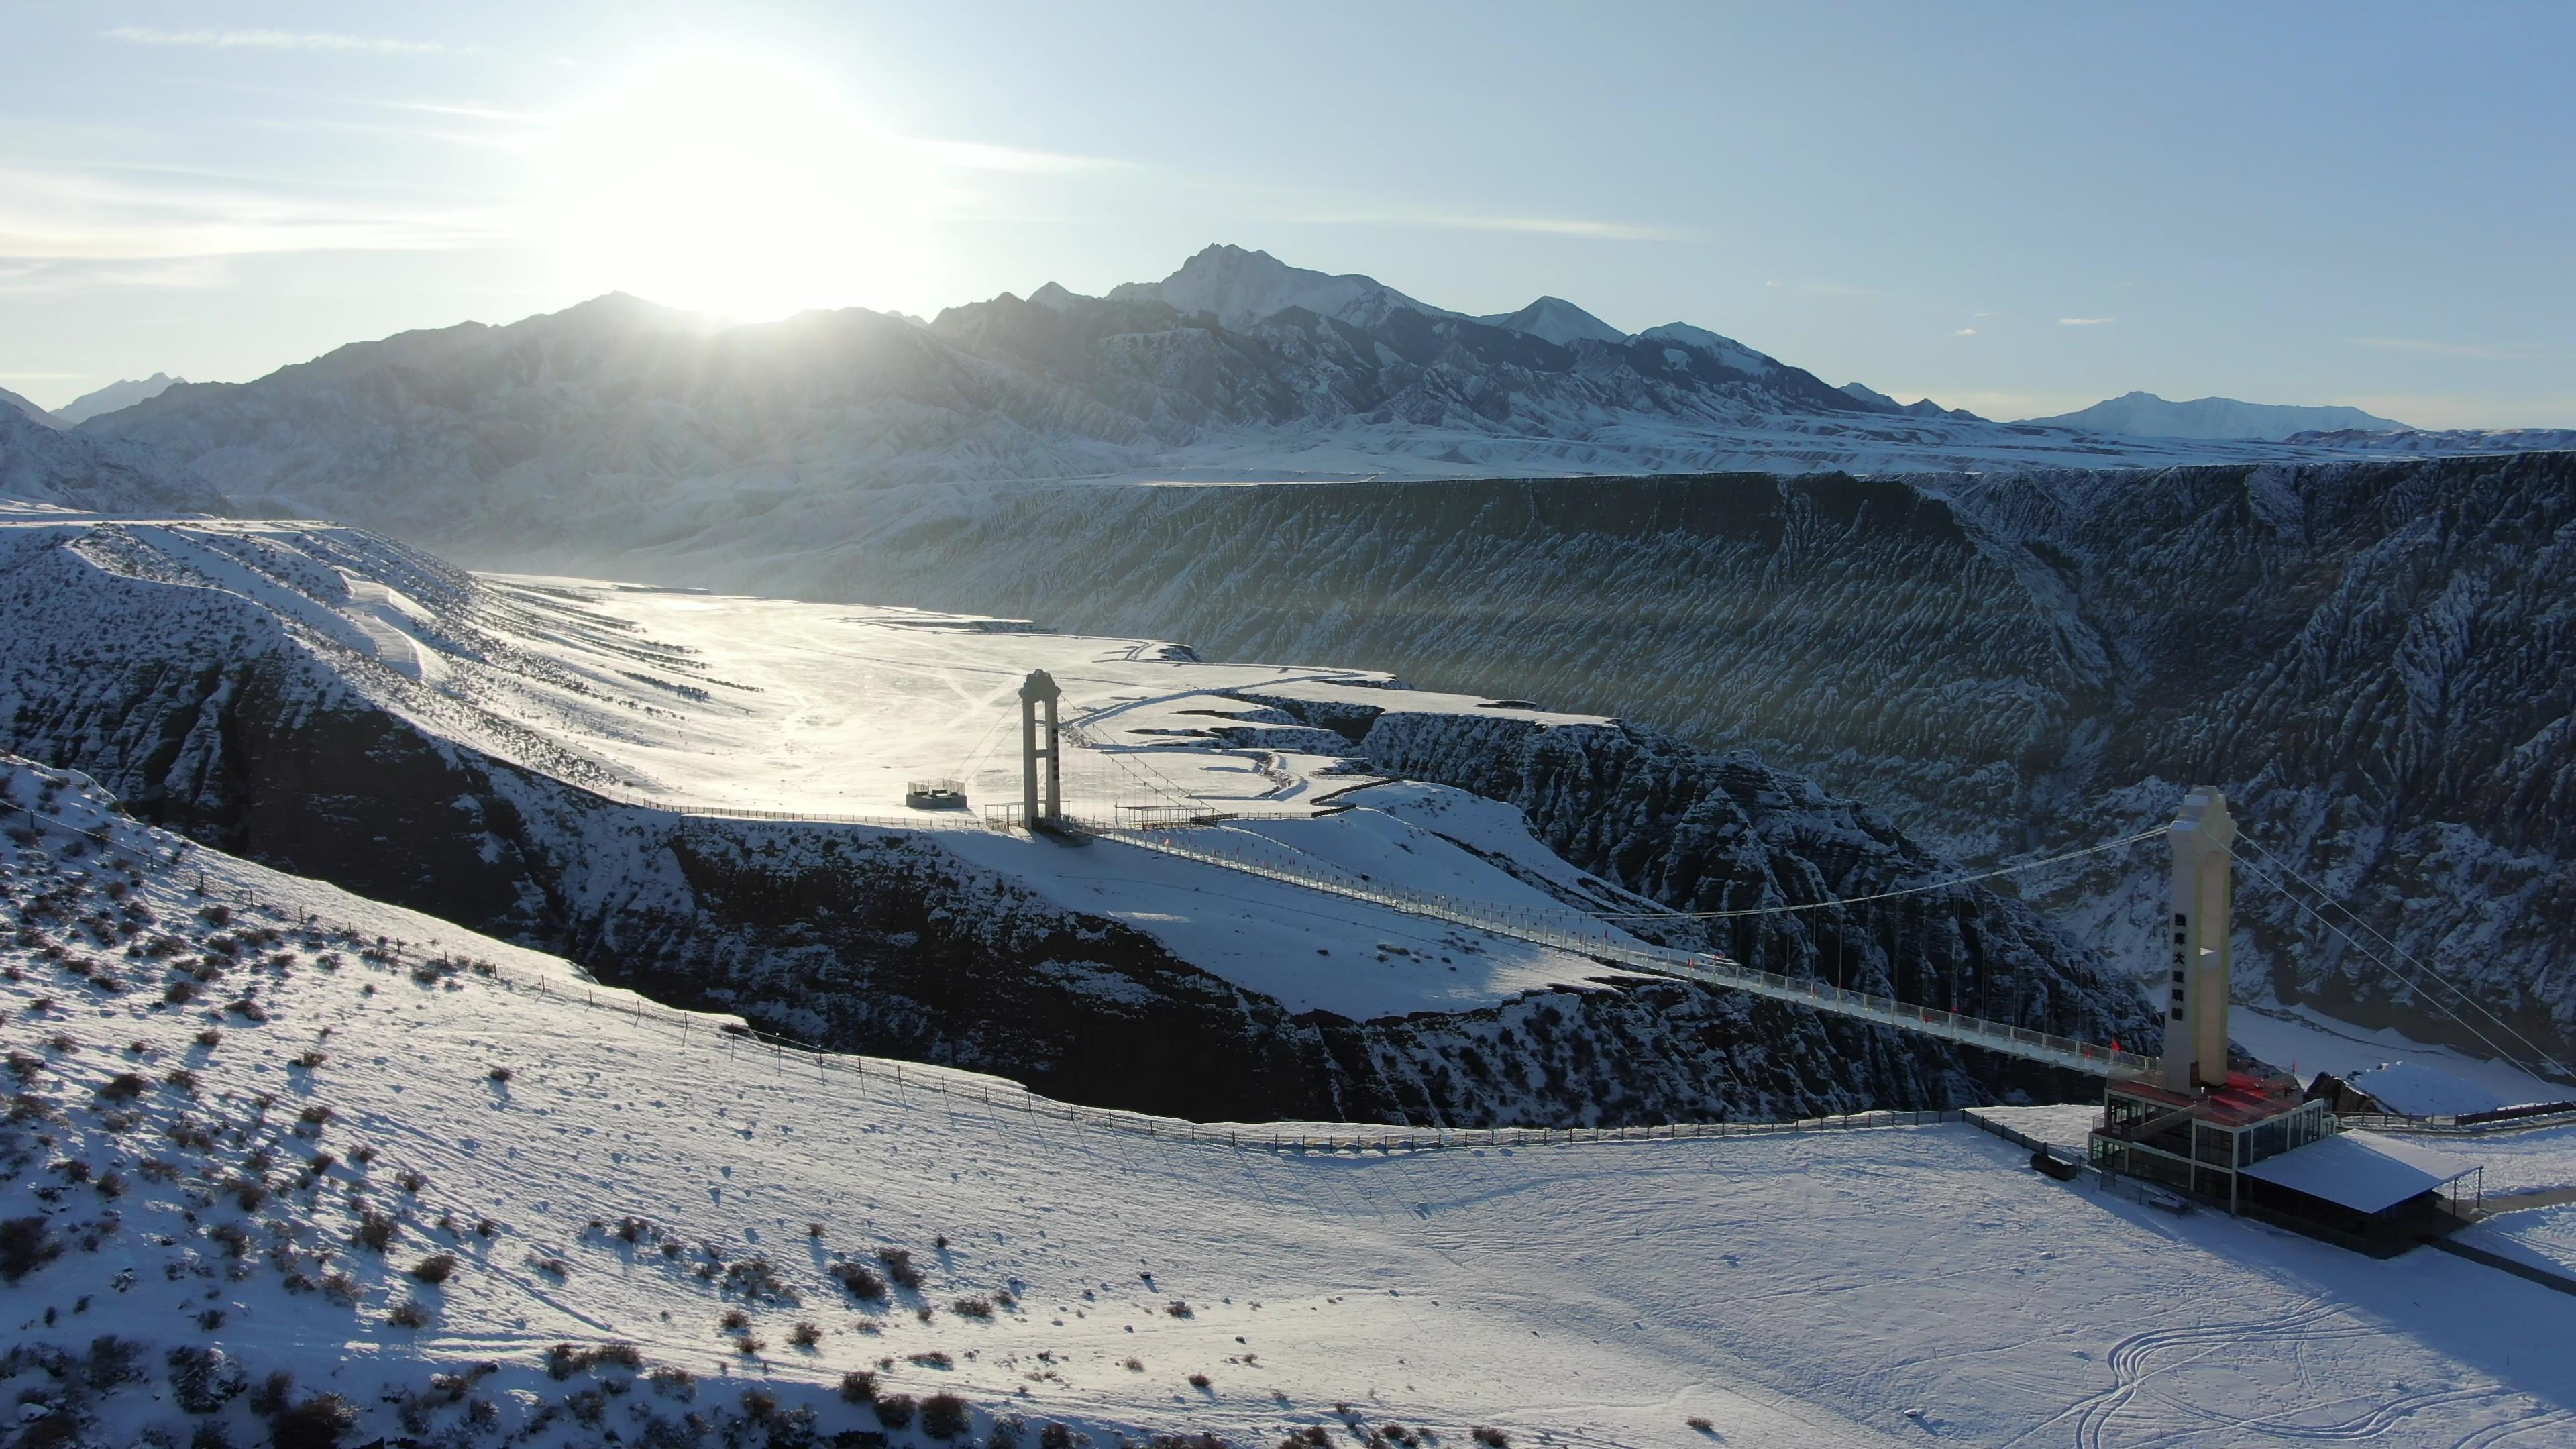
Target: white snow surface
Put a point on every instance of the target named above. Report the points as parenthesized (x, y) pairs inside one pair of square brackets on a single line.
[(1834, 1288), (2422, 1091)]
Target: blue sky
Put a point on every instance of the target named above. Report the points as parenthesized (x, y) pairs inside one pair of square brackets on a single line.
[(2018, 209)]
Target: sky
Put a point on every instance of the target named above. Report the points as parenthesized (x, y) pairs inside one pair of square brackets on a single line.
[(2018, 209)]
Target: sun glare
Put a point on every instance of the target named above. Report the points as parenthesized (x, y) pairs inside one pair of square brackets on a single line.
[(738, 187)]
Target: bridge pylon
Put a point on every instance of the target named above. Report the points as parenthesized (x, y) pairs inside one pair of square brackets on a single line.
[(2203, 886)]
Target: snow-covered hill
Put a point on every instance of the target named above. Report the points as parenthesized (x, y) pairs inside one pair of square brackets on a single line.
[(287, 1165), (42, 466), (585, 765), (2143, 414), (622, 424), (122, 394)]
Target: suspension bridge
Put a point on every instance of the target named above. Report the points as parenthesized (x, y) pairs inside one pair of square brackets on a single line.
[(2207, 849)]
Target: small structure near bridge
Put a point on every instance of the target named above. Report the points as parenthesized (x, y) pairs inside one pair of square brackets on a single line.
[(2256, 1144), (935, 794)]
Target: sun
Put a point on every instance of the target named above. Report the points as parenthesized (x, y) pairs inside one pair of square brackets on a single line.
[(742, 187)]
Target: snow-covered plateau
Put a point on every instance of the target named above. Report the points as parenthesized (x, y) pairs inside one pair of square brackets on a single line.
[(288, 1165), (702, 796)]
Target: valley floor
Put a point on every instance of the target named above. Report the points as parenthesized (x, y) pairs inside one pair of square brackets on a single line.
[(1859, 1287)]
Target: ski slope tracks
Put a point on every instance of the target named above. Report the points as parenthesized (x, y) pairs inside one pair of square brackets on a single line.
[(256, 1117)]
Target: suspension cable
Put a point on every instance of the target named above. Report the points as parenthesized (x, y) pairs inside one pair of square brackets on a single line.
[(1943, 885), (2421, 967)]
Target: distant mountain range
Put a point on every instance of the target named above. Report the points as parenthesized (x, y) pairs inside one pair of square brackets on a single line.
[(2145, 415), (114, 396), (618, 424)]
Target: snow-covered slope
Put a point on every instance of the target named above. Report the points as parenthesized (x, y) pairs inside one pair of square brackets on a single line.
[(115, 395), (459, 1194), (649, 779), (2144, 414), (43, 466), (10, 402)]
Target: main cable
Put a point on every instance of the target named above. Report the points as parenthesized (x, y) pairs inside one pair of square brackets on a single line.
[(2425, 969), (1943, 885)]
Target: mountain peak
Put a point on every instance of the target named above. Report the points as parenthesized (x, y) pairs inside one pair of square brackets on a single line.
[(1242, 286), (115, 397), (1557, 320)]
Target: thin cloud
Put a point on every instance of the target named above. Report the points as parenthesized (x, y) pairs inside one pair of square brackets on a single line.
[(69, 217), (1592, 229), (2086, 321), (176, 274), (274, 40), (2484, 351), (1965, 332)]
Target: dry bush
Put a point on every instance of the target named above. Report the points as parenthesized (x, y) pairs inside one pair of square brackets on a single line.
[(898, 1266), (858, 1387), (435, 1269), (945, 1416)]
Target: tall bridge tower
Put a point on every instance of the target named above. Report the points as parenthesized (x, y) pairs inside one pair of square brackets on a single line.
[(2196, 1014), (1040, 689)]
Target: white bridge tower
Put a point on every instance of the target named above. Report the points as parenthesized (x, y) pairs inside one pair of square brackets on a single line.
[(2196, 1015), (1040, 689)]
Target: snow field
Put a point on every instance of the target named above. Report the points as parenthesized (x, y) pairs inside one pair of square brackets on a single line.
[(1834, 1288)]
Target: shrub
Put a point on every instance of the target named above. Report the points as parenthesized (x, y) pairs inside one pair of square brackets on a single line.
[(202, 1379), (1492, 1438), (375, 1230), (250, 1192), (178, 992), (931, 1358), (1055, 1436), (804, 1335), (312, 1057), (858, 1387), (1199, 1381), (362, 1154), (860, 1279), (184, 1080), (497, 1074), (1178, 1309), (314, 1115), (1702, 1425), (409, 1314), (894, 1410), (211, 1036), (679, 1382), (412, 1182), (734, 1320), (317, 1423), (123, 1087), (945, 1416), (113, 1360), (270, 1398), (25, 1246), (898, 1266), (759, 1405), (977, 1307), (435, 1269)]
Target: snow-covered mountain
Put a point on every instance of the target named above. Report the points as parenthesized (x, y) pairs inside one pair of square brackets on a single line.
[(115, 395), (43, 465), (1241, 288), (1920, 407), (620, 423), (2143, 414)]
